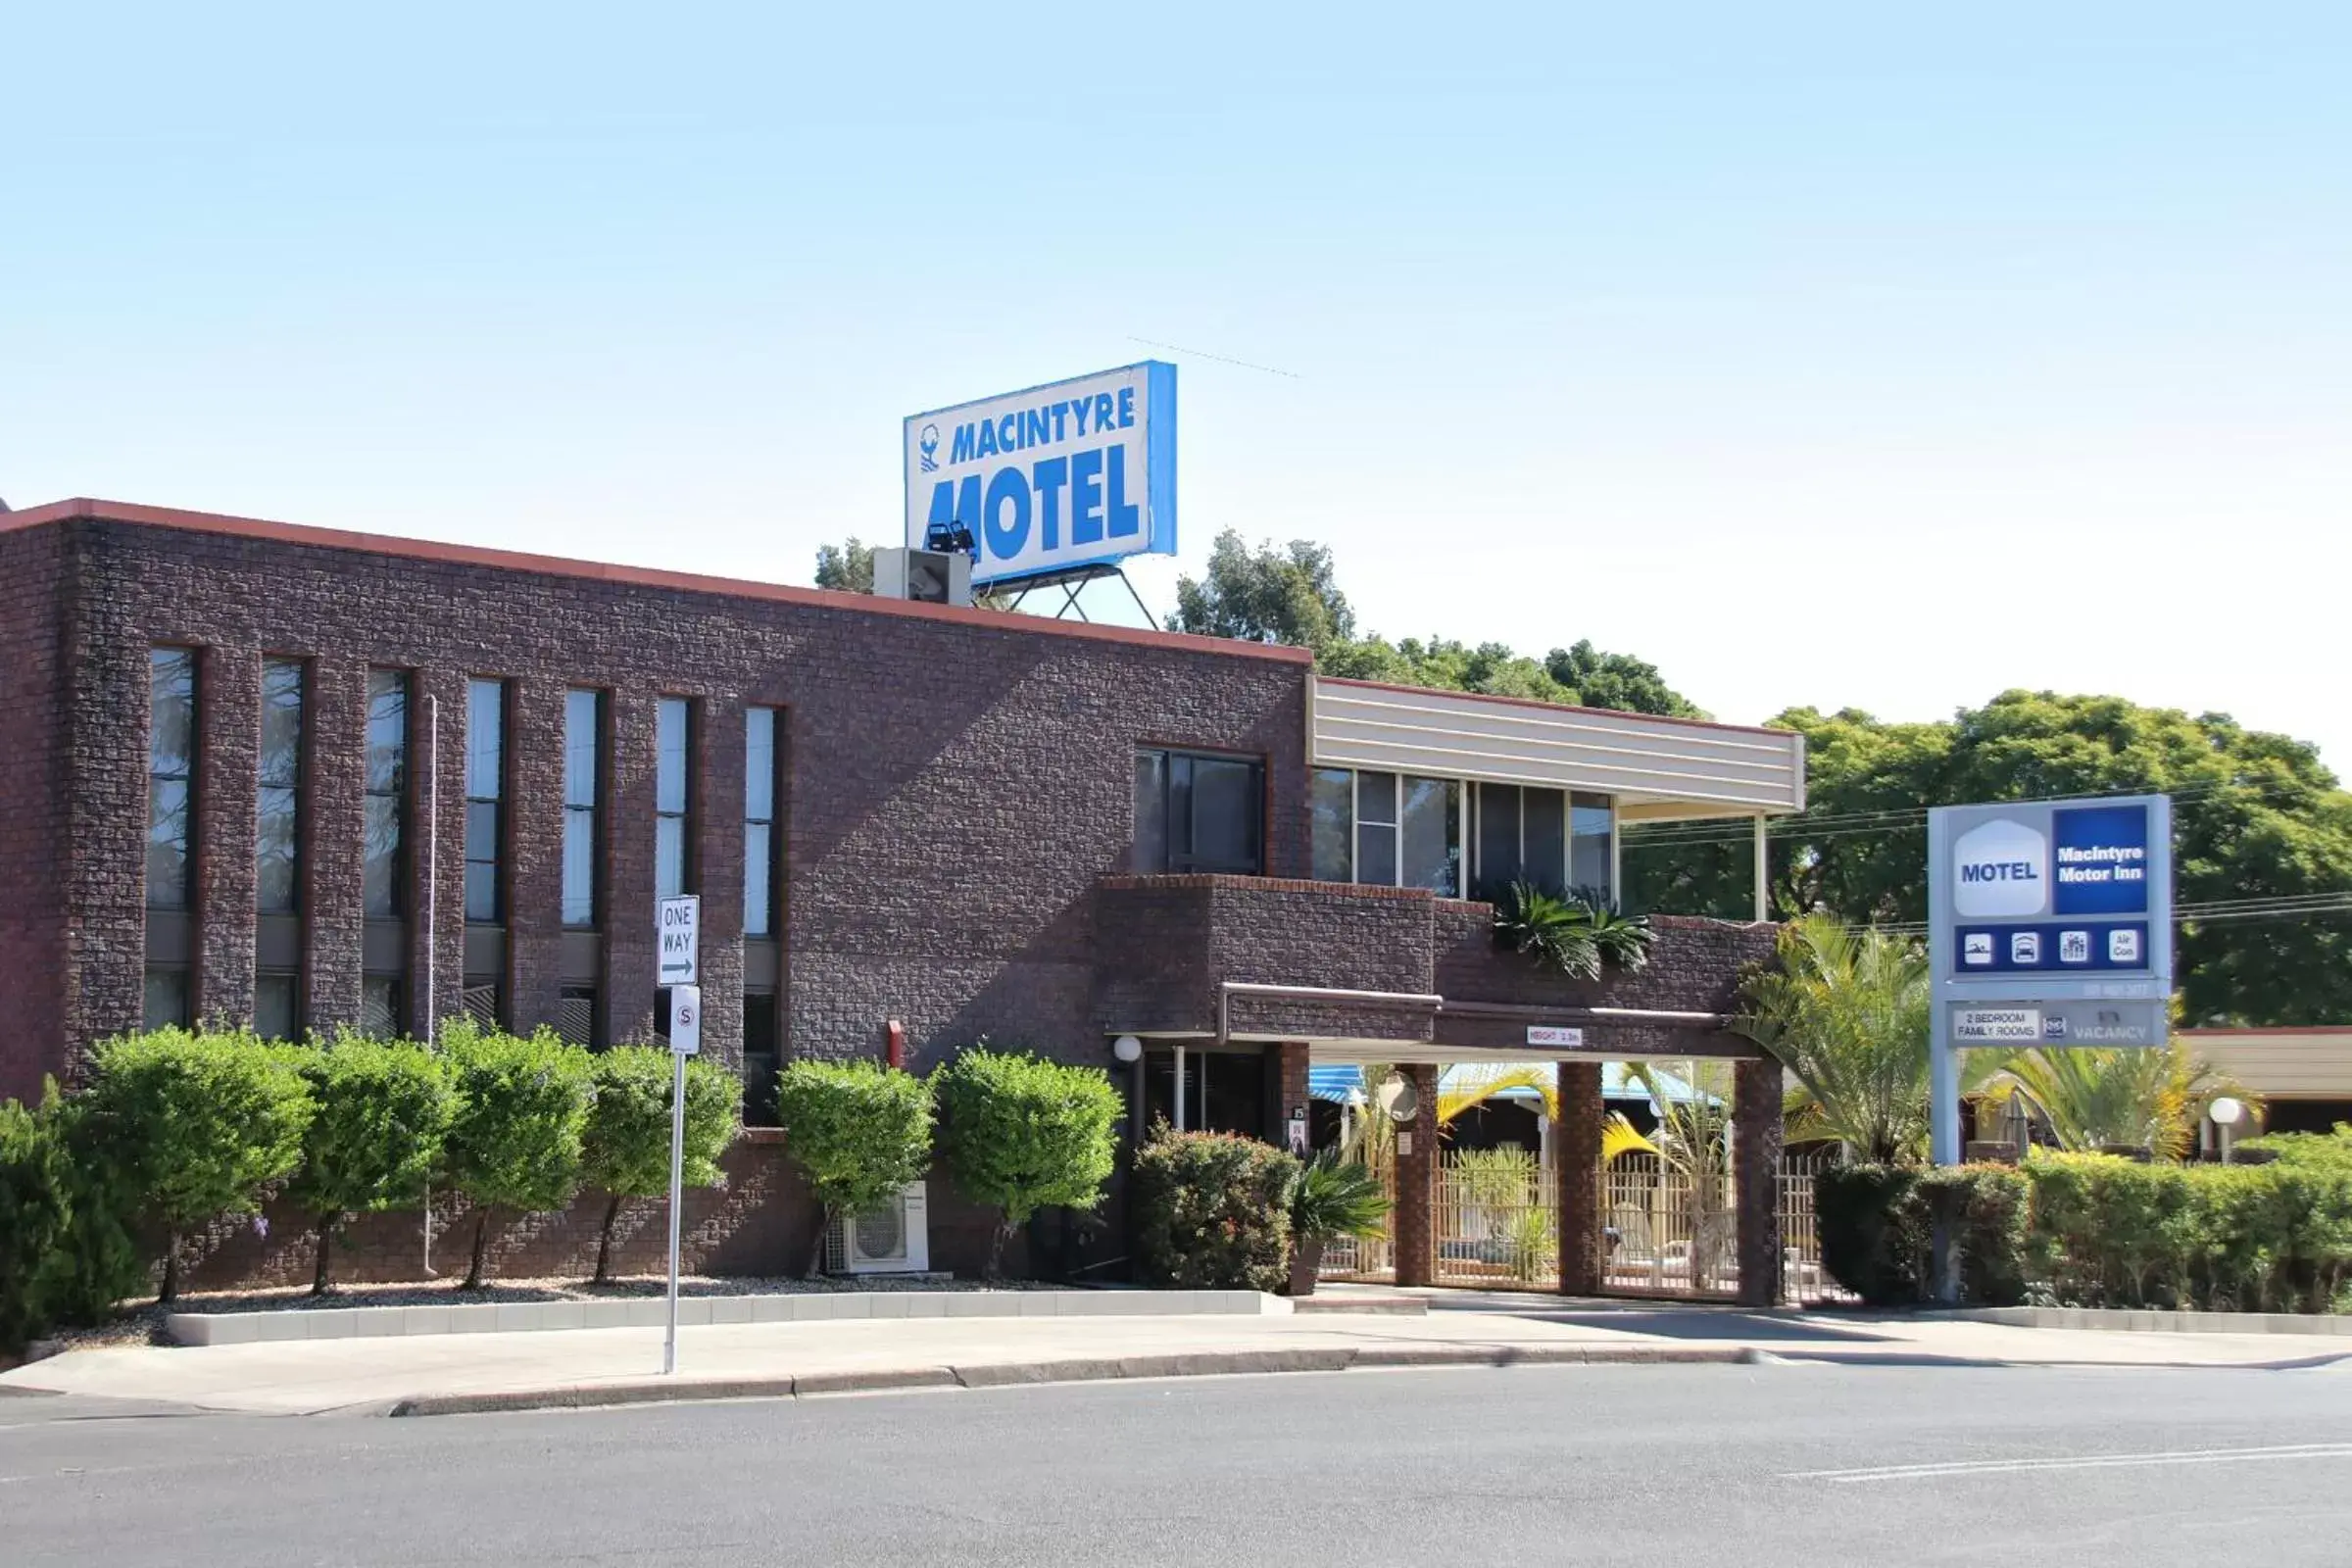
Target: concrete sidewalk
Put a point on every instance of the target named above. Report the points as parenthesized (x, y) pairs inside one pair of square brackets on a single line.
[(446, 1373)]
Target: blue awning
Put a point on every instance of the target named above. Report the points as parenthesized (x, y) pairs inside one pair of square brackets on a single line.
[(1333, 1082)]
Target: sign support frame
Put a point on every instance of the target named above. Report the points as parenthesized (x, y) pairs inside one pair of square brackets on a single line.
[(684, 983)]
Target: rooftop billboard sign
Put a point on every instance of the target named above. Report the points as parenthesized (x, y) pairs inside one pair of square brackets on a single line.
[(1072, 474)]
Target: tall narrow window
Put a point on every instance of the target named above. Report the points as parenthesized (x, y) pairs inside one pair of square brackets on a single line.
[(170, 775), (278, 797), (583, 724), (382, 889), (1331, 804), (1591, 821), (670, 796), (485, 791), (1376, 828), (760, 822), (1432, 812)]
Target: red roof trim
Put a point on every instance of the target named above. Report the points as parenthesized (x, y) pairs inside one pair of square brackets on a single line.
[(80, 509), (1553, 707)]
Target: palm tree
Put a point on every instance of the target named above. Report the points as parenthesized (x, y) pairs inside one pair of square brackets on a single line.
[(2145, 1098)]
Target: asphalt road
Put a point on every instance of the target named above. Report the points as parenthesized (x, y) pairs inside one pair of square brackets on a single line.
[(1759, 1466)]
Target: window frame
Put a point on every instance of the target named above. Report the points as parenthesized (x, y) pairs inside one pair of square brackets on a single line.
[(402, 794), (503, 690), (683, 815), (1170, 854), (295, 788), (770, 877), (590, 813), (184, 901)]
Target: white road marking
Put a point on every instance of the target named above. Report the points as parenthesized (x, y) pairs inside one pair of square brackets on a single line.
[(2085, 1461)]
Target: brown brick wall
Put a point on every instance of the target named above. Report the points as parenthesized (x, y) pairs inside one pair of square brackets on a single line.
[(1577, 1161), (1414, 1218), (1757, 1130), (35, 826)]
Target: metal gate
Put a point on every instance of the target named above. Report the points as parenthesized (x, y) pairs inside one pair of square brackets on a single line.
[(1365, 1259), (1664, 1231), (1497, 1220)]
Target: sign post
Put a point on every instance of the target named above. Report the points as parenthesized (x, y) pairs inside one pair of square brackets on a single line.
[(2049, 924), (677, 965)]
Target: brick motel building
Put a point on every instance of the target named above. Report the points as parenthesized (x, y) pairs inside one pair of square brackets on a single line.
[(300, 778)]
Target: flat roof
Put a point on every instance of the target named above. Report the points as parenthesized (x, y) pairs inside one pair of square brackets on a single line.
[(82, 510)]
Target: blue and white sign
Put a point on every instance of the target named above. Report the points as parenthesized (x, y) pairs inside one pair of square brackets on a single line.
[(2049, 923), (1075, 474)]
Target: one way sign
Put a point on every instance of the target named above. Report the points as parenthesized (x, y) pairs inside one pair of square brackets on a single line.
[(680, 931)]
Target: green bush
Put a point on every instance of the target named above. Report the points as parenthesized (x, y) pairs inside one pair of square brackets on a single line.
[(522, 1110), (98, 1263), (2275, 1236), (625, 1149), (202, 1123), (1023, 1133), (1879, 1223), (1214, 1211), (36, 1220), (379, 1111), (859, 1130)]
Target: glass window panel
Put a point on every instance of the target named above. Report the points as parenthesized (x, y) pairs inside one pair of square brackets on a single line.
[(1225, 812), (759, 1059), (274, 1007), (1375, 853), (485, 739), (481, 831), (1180, 812), (1497, 839), (281, 723), (171, 711), (167, 844), (380, 1006), (1544, 839), (576, 1015), (481, 893), (1376, 798), (276, 889), (579, 866), (479, 998), (581, 726), (387, 731), (759, 764), (1150, 811), (1591, 822), (380, 879), (1332, 809), (670, 856), (759, 868), (669, 759), (166, 998), (1432, 834)]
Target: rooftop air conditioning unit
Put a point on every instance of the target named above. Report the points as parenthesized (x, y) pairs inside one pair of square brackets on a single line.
[(893, 1239), (926, 576)]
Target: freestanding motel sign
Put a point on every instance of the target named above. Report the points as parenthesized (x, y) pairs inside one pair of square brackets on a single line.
[(2049, 924)]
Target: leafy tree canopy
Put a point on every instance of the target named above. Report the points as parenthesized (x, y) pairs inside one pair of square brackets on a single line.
[(848, 567)]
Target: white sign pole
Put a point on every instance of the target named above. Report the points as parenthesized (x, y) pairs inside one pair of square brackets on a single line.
[(677, 1171), (677, 964)]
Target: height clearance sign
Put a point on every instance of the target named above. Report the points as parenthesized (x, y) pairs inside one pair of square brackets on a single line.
[(1075, 474), (2050, 923)]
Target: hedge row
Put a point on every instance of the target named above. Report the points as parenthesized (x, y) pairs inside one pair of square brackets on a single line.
[(2096, 1230)]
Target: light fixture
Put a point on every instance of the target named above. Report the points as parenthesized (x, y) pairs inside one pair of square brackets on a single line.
[(2227, 1111), (1127, 1048)]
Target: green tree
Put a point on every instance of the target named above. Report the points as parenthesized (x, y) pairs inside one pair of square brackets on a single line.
[(1266, 595), (859, 1130), (2096, 1098), (204, 1122), (380, 1111), (522, 1110), (1617, 682), (1023, 1133), (848, 567), (625, 1147)]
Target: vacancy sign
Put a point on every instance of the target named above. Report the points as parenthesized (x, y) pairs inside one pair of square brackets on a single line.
[(680, 932)]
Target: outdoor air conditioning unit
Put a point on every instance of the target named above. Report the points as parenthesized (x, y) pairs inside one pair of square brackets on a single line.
[(894, 1239), (928, 576)]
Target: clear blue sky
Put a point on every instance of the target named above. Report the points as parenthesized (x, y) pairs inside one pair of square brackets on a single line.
[(1833, 355)]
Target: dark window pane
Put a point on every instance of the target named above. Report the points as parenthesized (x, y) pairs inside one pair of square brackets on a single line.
[(759, 881), (387, 731), (670, 856), (275, 1014), (1375, 853), (1225, 812), (1150, 811), (171, 711), (1497, 839), (479, 999), (579, 866), (481, 893), (380, 881), (759, 1059), (281, 723), (759, 764), (275, 852), (485, 739), (1376, 798), (576, 1015), (380, 1004), (166, 998), (1334, 815), (1432, 834), (167, 844), (1544, 839), (481, 830), (579, 748), (669, 755), (1591, 822)]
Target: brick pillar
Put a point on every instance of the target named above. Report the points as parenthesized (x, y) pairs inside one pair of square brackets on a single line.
[(229, 715), (435, 847), (334, 724), (1415, 1218), (629, 851), (1576, 1160), (1286, 1089), (535, 852), (1757, 1101)]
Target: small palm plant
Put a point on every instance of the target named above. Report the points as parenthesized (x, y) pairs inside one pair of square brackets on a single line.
[(1576, 935), (1335, 1196)]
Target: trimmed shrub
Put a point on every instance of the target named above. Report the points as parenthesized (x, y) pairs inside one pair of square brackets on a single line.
[(1879, 1225), (202, 1122), (1214, 1211), (625, 1149), (523, 1108), (2276, 1236), (34, 1217), (98, 1263), (1024, 1132), (859, 1130), (379, 1112)]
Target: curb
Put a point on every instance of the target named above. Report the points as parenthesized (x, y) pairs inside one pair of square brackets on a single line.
[(1016, 1374), (2144, 1320)]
